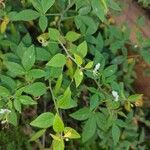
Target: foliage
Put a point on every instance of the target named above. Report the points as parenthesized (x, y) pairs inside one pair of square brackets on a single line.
[(65, 62), (8, 141), (145, 3)]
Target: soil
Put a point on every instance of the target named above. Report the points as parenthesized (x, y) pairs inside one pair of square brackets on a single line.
[(130, 13)]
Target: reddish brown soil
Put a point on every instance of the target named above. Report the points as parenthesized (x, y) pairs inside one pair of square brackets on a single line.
[(129, 15)]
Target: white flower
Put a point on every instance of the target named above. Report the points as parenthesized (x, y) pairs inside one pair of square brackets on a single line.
[(66, 139), (4, 121), (135, 46), (4, 111), (115, 95), (97, 67)]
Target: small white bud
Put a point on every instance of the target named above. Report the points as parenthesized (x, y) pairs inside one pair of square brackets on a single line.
[(4, 121), (4, 111), (66, 139), (97, 67), (132, 105), (135, 46), (115, 95)]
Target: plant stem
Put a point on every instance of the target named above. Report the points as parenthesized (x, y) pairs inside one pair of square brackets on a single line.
[(67, 18), (53, 97), (44, 136), (63, 12), (66, 51), (57, 14), (99, 87)]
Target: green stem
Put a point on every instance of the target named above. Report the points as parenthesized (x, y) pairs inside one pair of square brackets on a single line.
[(66, 51), (55, 104), (67, 18), (63, 12), (53, 97), (57, 14), (99, 87)]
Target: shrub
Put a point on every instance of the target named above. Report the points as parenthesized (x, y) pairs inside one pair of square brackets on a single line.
[(66, 74)]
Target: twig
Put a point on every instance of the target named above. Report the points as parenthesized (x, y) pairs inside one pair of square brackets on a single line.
[(64, 11), (57, 14), (66, 51), (53, 97), (43, 138)]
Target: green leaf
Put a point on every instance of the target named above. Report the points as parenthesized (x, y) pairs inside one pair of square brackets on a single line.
[(78, 59), (12, 118), (109, 121), (89, 65), (8, 82), (54, 34), (19, 92), (56, 137), (118, 60), (38, 134), (87, 24), (58, 84), (15, 68), (109, 71), (4, 92), (66, 102), (116, 45), (135, 97), (42, 54), (27, 40), (21, 48), (58, 144), (53, 72), (104, 3), (85, 10), (100, 42), (71, 133), (43, 23), (45, 120), (17, 105), (89, 129), (81, 114), (72, 36), (146, 55), (36, 73), (94, 101), (37, 5), (82, 49), (78, 76), (114, 5), (36, 89), (101, 121), (59, 60), (47, 4), (26, 15), (28, 58), (98, 9), (115, 133), (58, 124), (26, 100), (113, 105), (121, 123)]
